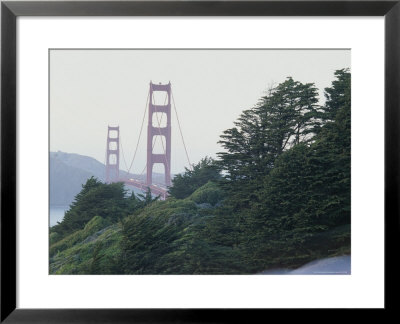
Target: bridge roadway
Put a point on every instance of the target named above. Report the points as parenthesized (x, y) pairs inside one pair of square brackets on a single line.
[(155, 190)]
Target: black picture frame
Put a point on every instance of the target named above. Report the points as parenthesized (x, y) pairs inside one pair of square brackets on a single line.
[(10, 10)]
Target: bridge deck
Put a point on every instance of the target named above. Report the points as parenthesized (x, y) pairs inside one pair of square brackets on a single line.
[(155, 190)]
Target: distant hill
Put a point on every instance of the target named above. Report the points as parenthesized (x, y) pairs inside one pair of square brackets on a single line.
[(68, 171), (82, 162)]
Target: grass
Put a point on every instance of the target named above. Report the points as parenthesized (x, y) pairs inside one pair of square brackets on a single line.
[(75, 253)]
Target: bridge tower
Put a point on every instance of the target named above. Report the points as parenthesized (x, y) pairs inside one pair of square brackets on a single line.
[(154, 130), (112, 162)]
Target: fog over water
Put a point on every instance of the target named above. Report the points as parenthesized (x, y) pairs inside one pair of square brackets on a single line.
[(57, 214)]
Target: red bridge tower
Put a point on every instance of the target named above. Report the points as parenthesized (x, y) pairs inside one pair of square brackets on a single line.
[(112, 162), (154, 130)]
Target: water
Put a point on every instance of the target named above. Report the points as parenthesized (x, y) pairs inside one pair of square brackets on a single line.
[(57, 214)]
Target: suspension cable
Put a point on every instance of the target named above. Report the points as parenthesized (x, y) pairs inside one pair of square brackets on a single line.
[(140, 134), (123, 155), (180, 130), (155, 140), (159, 129)]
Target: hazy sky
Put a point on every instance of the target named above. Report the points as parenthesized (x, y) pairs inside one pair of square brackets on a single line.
[(90, 89)]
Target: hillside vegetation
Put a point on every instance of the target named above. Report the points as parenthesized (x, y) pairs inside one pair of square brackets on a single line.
[(277, 196)]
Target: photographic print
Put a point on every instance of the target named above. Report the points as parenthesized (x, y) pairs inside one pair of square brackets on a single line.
[(200, 161)]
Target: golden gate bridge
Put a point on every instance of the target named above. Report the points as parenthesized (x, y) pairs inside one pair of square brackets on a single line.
[(114, 145)]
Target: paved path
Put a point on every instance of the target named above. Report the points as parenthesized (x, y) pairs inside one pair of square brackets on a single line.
[(330, 266)]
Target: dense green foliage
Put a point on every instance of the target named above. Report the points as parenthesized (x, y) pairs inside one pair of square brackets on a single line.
[(183, 185), (95, 250), (304, 193), (169, 238), (283, 199), (286, 116), (110, 201)]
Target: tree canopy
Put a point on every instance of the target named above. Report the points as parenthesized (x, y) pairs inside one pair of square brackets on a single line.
[(183, 185), (279, 195), (110, 201)]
